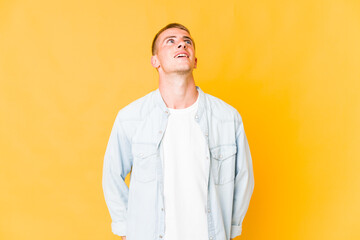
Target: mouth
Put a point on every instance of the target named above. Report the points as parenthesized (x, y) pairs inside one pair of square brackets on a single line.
[(182, 55)]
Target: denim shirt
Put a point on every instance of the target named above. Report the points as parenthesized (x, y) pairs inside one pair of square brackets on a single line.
[(138, 212)]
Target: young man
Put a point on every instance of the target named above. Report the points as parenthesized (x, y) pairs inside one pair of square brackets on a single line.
[(192, 175)]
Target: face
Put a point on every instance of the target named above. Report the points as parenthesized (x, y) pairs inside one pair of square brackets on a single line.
[(175, 52)]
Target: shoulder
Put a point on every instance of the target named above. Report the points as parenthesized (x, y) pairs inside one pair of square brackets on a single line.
[(138, 109), (220, 109)]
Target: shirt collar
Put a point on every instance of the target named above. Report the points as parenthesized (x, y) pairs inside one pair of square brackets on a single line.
[(159, 101)]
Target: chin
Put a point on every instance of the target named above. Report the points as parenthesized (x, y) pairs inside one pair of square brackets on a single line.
[(184, 70)]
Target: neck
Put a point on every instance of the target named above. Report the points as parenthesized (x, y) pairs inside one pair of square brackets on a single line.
[(178, 91)]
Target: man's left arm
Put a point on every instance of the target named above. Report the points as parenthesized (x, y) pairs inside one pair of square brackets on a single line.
[(244, 180)]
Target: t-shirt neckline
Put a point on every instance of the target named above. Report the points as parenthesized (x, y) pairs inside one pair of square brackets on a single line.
[(185, 110)]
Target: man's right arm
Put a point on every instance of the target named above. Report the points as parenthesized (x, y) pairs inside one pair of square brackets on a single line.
[(117, 164)]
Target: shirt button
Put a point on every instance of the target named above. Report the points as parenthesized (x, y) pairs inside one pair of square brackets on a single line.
[(209, 210), (210, 238), (160, 132), (160, 236), (196, 116), (166, 112), (162, 209)]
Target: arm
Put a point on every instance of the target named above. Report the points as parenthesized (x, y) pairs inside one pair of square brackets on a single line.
[(244, 181), (117, 164)]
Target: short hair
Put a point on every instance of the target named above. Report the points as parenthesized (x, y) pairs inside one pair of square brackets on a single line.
[(170, 25)]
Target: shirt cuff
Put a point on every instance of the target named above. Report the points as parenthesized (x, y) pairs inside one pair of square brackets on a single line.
[(119, 228), (235, 231)]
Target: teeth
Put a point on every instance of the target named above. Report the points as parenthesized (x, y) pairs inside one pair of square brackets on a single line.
[(181, 55)]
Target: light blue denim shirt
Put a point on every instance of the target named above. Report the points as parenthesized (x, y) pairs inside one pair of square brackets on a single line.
[(138, 212)]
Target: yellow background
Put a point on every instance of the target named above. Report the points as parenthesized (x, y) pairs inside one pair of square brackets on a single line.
[(291, 68)]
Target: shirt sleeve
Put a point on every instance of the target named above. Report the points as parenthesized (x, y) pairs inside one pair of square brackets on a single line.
[(244, 181), (117, 164)]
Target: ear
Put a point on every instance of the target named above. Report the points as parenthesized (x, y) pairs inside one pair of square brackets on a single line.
[(155, 62), (195, 65)]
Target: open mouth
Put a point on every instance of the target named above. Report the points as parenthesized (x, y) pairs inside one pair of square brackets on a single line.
[(181, 55)]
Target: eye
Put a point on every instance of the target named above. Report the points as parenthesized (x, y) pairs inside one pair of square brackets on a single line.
[(170, 40), (188, 42)]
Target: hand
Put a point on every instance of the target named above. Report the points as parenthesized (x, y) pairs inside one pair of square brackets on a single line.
[(123, 237)]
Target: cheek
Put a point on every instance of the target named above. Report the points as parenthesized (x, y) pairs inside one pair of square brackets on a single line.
[(166, 57)]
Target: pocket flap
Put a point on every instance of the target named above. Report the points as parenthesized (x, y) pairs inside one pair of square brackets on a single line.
[(223, 152), (141, 150)]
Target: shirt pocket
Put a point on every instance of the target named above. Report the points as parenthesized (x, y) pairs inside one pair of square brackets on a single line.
[(144, 168), (223, 163)]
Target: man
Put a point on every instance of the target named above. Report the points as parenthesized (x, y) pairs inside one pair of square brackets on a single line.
[(191, 168)]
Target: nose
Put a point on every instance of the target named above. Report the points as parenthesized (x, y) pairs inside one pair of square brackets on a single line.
[(181, 44)]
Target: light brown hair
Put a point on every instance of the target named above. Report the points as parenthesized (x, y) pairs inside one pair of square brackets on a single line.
[(170, 25)]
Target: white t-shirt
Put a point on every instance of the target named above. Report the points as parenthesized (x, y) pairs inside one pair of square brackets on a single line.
[(185, 176)]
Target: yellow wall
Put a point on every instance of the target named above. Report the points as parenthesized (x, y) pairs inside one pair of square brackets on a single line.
[(291, 68)]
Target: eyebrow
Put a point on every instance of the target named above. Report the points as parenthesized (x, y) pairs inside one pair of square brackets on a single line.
[(184, 37)]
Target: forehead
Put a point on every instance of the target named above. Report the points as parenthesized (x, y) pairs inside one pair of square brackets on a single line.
[(173, 32)]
